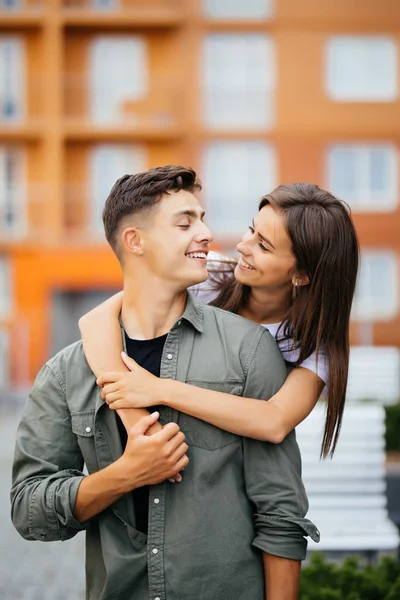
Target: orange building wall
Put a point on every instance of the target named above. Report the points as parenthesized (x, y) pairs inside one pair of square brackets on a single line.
[(58, 135)]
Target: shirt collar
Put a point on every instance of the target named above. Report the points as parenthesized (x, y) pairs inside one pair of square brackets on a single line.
[(193, 314)]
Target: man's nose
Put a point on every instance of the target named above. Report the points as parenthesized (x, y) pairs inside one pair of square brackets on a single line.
[(204, 234)]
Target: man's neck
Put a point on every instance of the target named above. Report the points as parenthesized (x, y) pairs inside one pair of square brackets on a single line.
[(149, 311), (266, 306)]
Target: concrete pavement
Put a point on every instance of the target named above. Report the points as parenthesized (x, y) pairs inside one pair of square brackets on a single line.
[(33, 570)]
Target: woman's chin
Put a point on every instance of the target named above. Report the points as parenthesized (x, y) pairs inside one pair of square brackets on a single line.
[(243, 276)]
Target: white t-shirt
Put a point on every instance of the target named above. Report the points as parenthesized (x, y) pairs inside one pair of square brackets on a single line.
[(206, 292)]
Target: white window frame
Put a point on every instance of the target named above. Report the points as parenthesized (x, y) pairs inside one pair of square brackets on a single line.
[(105, 74), (231, 172), (364, 199), (234, 99), (131, 159), (16, 197), (12, 78), (364, 307), (238, 9), (337, 60)]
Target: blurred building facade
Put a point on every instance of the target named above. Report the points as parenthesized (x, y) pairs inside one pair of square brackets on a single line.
[(251, 93)]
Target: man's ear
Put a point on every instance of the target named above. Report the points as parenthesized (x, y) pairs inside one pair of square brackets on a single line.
[(300, 279), (132, 240)]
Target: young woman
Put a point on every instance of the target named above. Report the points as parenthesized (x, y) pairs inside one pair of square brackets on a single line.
[(296, 276)]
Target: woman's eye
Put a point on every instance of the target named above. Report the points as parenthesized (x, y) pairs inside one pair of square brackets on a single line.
[(184, 226), (263, 247), (251, 229)]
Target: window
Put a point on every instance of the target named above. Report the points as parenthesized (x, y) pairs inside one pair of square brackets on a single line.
[(12, 192), (108, 163), (4, 359), (11, 78), (5, 287), (104, 4), (236, 175), (238, 81), (365, 176), (377, 296), (118, 74), (9, 4), (361, 69), (237, 9), (374, 374)]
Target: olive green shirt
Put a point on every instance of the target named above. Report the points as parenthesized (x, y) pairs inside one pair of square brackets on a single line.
[(206, 535)]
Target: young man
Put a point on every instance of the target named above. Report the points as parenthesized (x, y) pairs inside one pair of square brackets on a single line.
[(234, 527)]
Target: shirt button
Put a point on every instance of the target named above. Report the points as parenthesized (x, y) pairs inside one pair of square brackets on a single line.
[(88, 429), (156, 500), (155, 551), (169, 356), (179, 322), (157, 598)]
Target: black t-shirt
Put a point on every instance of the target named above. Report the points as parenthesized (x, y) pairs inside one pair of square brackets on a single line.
[(148, 354)]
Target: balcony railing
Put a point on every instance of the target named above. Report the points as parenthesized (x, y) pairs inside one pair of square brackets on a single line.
[(159, 109), (30, 212), (23, 103), (139, 6), (21, 6)]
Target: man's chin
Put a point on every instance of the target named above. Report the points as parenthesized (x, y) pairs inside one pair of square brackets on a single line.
[(197, 276)]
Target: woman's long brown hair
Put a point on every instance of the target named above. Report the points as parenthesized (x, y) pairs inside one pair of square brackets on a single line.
[(326, 249)]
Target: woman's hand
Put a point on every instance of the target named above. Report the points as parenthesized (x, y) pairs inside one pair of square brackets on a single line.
[(136, 389)]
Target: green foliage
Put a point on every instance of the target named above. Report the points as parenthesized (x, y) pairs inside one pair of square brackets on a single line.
[(321, 580), (393, 428)]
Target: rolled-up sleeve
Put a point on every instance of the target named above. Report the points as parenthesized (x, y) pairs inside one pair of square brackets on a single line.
[(47, 467), (273, 471)]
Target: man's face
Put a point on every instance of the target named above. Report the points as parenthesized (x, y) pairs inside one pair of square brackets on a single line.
[(175, 240)]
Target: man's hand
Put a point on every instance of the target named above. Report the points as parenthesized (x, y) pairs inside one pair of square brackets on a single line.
[(151, 459), (147, 460), (134, 389)]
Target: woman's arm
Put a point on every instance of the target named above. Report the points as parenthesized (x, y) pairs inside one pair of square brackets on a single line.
[(101, 336), (268, 421), (102, 344)]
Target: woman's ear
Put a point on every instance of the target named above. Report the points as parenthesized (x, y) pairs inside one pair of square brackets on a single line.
[(300, 279), (132, 241)]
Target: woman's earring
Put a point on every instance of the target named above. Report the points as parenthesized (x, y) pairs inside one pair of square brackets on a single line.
[(294, 290)]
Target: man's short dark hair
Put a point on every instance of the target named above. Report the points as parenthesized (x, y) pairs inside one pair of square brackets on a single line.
[(132, 194)]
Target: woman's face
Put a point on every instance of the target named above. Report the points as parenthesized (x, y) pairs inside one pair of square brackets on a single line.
[(267, 260)]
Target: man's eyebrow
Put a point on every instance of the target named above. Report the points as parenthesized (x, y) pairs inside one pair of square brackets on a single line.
[(264, 238), (190, 213)]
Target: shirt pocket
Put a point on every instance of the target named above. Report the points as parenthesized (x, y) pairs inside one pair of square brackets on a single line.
[(82, 424), (201, 434)]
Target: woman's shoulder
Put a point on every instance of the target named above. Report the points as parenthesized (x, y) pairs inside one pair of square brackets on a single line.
[(318, 364)]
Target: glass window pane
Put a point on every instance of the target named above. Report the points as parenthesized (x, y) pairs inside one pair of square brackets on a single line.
[(362, 68), (4, 358), (365, 176), (5, 287), (237, 9), (12, 76), (12, 191), (108, 163), (118, 74), (377, 287), (236, 175), (238, 81)]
